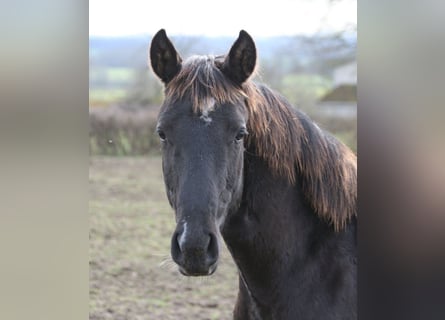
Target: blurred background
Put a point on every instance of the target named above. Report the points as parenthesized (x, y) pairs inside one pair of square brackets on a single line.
[(306, 50)]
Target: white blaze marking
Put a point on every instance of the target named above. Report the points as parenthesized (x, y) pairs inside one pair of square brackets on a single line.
[(206, 110), (182, 237), (206, 119)]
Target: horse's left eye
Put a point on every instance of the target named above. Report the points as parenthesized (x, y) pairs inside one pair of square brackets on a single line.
[(241, 134)]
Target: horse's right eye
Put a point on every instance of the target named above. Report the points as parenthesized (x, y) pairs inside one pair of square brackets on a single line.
[(162, 135)]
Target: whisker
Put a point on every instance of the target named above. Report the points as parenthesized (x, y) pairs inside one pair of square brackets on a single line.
[(158, 254), (168, 264)]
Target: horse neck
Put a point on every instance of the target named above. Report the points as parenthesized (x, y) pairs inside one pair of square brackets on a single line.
[(275, 237)]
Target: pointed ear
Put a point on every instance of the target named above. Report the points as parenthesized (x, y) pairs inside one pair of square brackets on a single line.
[(165, 61), (241, 60)]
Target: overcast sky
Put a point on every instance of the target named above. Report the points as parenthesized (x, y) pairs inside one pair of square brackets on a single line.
[(223, 17)]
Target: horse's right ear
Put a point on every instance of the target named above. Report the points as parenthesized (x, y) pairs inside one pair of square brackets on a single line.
[(164, 58)]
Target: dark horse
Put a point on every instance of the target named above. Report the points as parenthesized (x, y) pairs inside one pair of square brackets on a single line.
[(241, 162)]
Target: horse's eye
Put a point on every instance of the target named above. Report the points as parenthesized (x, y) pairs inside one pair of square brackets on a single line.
[(241, 134), (161, 135)]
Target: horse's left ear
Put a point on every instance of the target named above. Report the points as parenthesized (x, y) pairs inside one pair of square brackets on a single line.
[(164, 58), (241, 60)]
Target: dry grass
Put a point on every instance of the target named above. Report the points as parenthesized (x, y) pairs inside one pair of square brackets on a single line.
[(131, 273)]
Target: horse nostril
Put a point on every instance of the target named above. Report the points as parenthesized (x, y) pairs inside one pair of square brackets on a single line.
[(212, 248), (175, 246), (178, 241)]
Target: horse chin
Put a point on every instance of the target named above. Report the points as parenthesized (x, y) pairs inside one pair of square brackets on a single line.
[(198, 273)]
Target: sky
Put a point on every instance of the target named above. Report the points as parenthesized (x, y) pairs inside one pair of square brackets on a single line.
[(219, 18)]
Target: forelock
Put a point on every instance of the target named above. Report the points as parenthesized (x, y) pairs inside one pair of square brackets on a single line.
[(201, 80)]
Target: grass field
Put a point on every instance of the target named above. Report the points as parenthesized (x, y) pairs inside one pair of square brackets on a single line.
[(131, 272), (103, 97), (109, 85)]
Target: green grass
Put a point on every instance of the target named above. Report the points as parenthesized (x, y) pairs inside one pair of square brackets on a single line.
[(106, 95), (108, 85), (120, 74)]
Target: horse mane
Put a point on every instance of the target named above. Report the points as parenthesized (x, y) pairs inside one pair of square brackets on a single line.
[(289, 142)]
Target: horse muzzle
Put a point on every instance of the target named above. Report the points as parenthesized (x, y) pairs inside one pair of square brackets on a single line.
[(195, 251)]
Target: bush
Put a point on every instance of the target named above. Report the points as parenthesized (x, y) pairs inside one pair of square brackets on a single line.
[(119, 131)]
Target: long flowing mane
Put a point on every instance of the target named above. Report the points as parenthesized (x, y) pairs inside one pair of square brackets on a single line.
[(289, 142)]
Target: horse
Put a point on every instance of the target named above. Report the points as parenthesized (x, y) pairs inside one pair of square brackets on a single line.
[(242, 164)]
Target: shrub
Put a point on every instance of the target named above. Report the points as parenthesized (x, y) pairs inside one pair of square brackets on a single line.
[(119, 131)]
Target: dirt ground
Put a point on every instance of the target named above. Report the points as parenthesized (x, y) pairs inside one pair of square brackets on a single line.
[(131, 273)]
